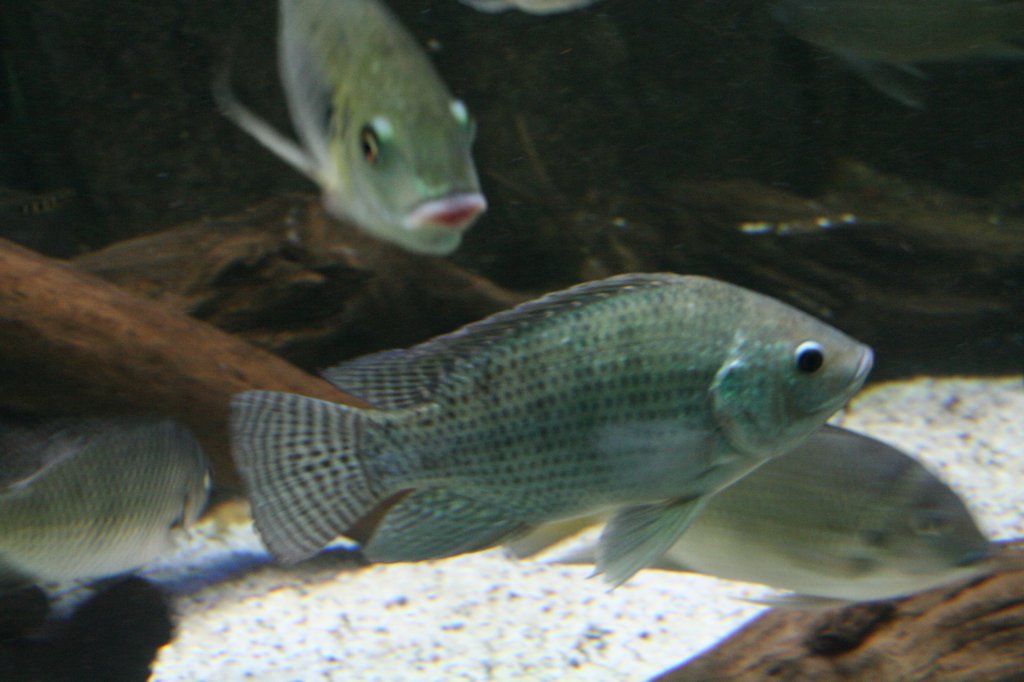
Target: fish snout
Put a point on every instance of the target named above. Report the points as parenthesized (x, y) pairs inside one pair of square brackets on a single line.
[(867, 361), (454, 211)]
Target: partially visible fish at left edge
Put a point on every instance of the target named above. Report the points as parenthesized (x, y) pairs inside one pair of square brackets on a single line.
[(87, 498), (379, 131)]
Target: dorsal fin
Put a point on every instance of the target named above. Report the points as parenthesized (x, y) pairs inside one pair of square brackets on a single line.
[(401, 378), (391, 379)]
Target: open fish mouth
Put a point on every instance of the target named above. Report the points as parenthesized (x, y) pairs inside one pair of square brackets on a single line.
[(454, 211)]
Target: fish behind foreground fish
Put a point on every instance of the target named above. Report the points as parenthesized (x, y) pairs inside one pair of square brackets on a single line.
[(883, 40), (380, 134), (644, 392), (841, 517), (85, 498)]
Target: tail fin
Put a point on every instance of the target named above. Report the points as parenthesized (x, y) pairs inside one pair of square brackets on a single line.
[(300, 460)]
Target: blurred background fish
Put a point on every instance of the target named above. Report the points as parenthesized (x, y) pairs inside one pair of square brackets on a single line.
[(883, 40), (86, 498), (531, 6), (645, 392), (380, 134), (843, 517)]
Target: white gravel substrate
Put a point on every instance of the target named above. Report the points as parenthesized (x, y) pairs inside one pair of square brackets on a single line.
[(487, 617)]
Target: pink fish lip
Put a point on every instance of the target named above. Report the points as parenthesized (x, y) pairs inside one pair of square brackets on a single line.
[(867, 361), (454, 211)]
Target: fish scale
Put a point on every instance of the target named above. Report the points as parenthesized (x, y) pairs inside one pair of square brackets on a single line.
[(641, 389), (102, 496)]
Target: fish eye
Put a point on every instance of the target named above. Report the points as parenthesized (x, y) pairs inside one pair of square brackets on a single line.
[(369, 144), (810, 356)]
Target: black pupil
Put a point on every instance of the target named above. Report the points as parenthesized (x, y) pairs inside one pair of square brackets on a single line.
[(810, 360), (369, 144)]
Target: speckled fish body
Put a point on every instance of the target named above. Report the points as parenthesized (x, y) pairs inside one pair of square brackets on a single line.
[(643, 392), (882, 39), (86, 498), (379, 131), (529, 6), (841, 517)]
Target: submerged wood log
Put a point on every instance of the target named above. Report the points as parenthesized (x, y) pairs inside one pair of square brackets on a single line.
[(285, 277), (934, 281), (73, 343), (969, 632), (281, 276)]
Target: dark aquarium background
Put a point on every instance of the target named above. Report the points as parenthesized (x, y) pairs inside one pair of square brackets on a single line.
[(634, 135)]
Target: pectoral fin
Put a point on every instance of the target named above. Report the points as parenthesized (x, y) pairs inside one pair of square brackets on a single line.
[(637, 537), (438, 523)]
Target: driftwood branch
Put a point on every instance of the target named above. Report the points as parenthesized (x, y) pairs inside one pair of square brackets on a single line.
[(930, 279), (73, 343), (285, 277), (970, 632), (280, 276)]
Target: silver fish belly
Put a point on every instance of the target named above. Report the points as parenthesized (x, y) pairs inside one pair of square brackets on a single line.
[(645, 392)]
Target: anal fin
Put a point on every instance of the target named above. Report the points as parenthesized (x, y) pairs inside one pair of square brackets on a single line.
[(437, 523)]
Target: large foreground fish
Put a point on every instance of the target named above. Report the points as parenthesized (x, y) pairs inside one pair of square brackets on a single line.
[(841, 517), (644, 392), (85, 498), (380, 133), (883, 39)]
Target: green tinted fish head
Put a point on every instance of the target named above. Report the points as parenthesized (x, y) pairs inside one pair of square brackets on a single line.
[(386, 141), (895, 528), (932, 534), (786, 374), (405, 169)]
